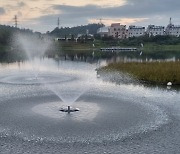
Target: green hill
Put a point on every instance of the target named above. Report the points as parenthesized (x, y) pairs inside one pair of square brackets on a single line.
[(6, 33), (67, 31)]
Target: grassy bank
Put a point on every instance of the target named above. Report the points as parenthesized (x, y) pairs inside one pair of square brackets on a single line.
[(76, 47), (150, 50), (154, 72), (149, 47)]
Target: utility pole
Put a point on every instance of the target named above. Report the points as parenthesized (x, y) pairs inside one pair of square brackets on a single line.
[(100, 21), (170, 21), (15, 21), (58, 23)]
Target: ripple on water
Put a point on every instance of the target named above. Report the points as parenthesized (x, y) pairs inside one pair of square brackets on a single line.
[(29, 79), (101, 118)]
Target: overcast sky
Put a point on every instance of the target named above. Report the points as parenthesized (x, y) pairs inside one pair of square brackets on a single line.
[(42, 15)]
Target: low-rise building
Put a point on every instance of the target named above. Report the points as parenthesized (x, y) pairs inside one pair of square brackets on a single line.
[(117, 30), (103, 31), (135, 31), (153, 30), (173, 30)]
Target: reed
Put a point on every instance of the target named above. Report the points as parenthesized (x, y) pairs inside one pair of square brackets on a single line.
[(155, 72)]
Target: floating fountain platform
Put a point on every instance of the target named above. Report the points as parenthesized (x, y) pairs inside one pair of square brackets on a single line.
[(69, 110)]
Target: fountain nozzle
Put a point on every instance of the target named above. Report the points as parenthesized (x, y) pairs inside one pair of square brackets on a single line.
[(69, 110)]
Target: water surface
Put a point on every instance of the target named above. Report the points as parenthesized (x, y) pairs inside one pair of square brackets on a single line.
[(115, 117)]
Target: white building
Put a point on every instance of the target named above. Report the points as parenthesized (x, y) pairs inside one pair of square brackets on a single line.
[(117, 31), (103, 31), (153, 30), (172, 29), (135, 31)]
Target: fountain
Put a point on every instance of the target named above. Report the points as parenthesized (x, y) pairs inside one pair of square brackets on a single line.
[(79, 82), (69, 110), (34, 47), (72, 84)]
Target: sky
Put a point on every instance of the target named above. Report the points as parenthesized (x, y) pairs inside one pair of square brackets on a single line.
[(42, 15)]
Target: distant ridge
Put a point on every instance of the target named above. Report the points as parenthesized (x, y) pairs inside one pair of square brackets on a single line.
[(67, 31), (7, 31)]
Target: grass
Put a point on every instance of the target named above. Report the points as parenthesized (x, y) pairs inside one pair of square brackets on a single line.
[(149, 47), (73, 48), (76, 46), (150, 50), (153, 72)]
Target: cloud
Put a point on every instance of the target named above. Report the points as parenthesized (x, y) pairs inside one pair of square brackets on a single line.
[(138, 12), (147, 7), (2, 11), (132, 8), (142, 10)]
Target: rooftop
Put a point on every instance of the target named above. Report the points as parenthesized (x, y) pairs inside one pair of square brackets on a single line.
[(155, 27), (115, 24), (136, 27)]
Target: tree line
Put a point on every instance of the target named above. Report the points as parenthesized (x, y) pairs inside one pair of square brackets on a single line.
[(74, 31)]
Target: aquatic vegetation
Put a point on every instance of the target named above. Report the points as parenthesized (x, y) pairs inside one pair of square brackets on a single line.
[(155, 72)]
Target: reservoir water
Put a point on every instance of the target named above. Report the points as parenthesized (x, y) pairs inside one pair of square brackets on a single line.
[(115, 115)]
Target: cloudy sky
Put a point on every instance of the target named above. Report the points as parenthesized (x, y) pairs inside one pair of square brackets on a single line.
[(42, 15)]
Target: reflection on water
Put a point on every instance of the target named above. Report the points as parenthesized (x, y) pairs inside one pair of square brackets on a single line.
[(139, 59)]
